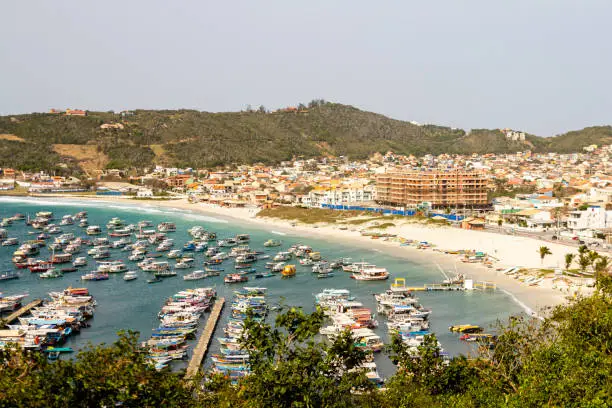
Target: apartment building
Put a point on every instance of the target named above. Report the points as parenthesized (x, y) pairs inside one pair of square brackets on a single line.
[(341, 195), (453, 188)]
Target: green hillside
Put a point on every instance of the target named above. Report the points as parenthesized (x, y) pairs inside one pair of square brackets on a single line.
[(201, 139)]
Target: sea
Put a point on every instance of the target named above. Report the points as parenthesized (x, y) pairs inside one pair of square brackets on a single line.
[(134, 305)]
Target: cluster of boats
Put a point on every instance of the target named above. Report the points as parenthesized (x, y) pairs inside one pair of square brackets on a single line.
[(405, 316), (10, 303), (179, 319), (49, 325), (347, 314), (233, 360)]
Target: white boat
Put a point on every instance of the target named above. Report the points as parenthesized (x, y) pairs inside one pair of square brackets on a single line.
[(80, 261), (282, 256), (185, 263), (166, 227), (196, 275), (175, 253), (93, 230), (370, 273), (130, 275)]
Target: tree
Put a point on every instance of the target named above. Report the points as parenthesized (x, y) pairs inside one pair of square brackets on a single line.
[(583, 261), (568, 260), (262, 109), (544, 250)]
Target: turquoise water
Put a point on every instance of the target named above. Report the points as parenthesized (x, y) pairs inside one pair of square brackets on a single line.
[(134, 305)]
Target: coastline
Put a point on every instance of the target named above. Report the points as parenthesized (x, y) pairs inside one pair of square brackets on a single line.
[(534, 300)]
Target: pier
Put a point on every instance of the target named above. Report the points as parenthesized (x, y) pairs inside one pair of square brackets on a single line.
[(200, 350), (18, 313)]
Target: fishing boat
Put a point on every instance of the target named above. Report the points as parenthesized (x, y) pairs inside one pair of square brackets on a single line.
[(69, 269), (155, 280), (235, 278), (189, 246), (10, 242), (185, 263), (370, 273), (130, 275), (288, 271), (272, 243), (61, 258), (93, 230), (196, 275), (166, 227), (95, 276), (242, 238), (67, 220), (114, 223), (45, 214), (40, 266), (229, 242), (212, 269), (51, 274), (263, 275), (282, 256), (164, 274), (465, 328), (8, 275)]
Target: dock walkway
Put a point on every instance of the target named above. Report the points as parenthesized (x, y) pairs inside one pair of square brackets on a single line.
[(18, 313), (200, 350)]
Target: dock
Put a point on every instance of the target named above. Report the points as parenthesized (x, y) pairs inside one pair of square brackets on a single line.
[(18, 313), (200, 349)]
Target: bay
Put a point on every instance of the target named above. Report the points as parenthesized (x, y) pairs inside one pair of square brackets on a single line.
[(134, 305)]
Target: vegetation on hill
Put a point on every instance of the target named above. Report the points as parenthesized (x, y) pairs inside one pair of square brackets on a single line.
[(564, 361), (200, 139)]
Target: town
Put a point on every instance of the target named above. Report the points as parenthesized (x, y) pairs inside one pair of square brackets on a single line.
[(564, 197)]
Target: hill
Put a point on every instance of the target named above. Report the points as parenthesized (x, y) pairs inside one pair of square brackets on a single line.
[(202, 139)]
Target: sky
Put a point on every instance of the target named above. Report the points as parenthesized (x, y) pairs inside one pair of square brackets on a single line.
[(541, 66)]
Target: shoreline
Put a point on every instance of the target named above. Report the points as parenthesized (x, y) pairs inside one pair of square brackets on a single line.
[(534, 300)]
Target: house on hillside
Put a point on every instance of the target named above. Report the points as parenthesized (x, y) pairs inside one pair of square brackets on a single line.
[(75, 112)]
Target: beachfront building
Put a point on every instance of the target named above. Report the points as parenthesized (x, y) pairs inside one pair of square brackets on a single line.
[(340, 195), (593, 218), (453, 188)]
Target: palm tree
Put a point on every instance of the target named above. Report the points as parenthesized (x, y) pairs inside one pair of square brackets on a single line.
[(583, 262), (593, 256), (582, 249), (602, 265), (568, 260), (544, 250)]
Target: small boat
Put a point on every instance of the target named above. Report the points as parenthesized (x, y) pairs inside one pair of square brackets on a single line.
[(130, 275), (166, 227), (8, 275), (323, 275), (263, 275), (213, 269), (272, 243), (51, 274), (45, 214), (10, 242), (95, 276), (164, 273), (288, 271), (197, 275), (69, 269), (93, 230), (242, 238), (155, 280), (235, 278), (465, 328)]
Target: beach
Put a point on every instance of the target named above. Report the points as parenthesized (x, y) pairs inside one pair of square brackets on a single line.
[(509, 251)]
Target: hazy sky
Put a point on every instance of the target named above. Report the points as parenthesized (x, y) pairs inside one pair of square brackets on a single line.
[(543, 66)]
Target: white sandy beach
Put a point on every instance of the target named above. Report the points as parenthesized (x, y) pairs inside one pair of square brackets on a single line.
[(509, 250)]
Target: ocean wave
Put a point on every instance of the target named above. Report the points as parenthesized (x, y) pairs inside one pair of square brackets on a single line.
[(526, 308), (277, 233)]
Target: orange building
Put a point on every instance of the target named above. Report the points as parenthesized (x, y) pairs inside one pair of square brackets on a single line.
[(456, 188)]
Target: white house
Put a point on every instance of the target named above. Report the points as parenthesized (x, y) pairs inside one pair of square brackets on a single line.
[(593, 218), (339, 195)]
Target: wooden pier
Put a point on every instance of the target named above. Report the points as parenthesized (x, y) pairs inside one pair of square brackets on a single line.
[(200, 350), (18, 313)]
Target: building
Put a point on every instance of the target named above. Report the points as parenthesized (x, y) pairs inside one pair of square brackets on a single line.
[(593, 218), (455, 188), (341, 195), (75, 112)]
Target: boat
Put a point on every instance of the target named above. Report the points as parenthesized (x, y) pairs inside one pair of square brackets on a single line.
[(166, 227), (370, 273), (155, 280), (198, 275), (130, 275), (95, 276), (263, 275), (61, 258), (45, 214), (229, 242), (465, 328), (242, 238), (288, 271), (51, 274), (10, 242), (93, 230), (164, 273), (235, 278), (67, 220), (272, 243), (282, 256), (69, 269), (185, 263), (8, 275)]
